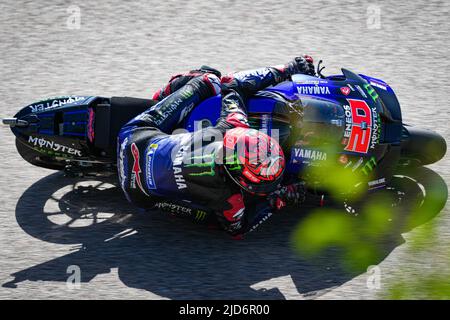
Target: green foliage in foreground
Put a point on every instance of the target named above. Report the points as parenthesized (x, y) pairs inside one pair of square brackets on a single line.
[(360, 238), (433, 286)]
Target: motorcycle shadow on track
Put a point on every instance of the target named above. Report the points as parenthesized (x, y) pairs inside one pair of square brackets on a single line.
[(172, 257)]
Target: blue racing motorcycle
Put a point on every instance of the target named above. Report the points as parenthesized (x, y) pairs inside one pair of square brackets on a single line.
[(77, 134)]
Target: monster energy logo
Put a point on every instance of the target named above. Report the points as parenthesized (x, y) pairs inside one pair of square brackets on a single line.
[(186, 94), (200, 215), (369, 166), (203, 163), (206, 163), (371, 91), (233, 163), (52, 147)]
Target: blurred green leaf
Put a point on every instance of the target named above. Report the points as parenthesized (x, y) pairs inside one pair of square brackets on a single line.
[(324, 227)]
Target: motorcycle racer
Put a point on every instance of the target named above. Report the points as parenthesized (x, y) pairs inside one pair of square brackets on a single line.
[(215, 167)]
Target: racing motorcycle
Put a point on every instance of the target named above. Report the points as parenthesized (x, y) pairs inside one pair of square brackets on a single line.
[(77, 134)]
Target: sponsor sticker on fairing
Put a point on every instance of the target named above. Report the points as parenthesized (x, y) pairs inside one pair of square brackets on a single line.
[(345, 91), (54, 102), (300, 155), (375, 184), (361, 91), (348, 123), (369, 166), (53, 146), (359, 126), (376, 129), (313, 90), (150, 178), (90, 126), (378, 85), (371, 91)]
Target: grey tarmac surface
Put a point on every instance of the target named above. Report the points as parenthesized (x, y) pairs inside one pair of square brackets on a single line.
[(131, 48)]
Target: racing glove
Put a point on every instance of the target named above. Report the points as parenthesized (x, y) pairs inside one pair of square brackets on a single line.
[(303, 65), (292, 194), (231, 218)]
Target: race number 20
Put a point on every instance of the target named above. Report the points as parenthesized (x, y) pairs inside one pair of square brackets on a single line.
[(361, 132)]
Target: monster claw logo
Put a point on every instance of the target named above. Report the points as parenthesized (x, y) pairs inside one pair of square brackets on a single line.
[(136, 171), (371, 91), (200, 215), (207, 164)]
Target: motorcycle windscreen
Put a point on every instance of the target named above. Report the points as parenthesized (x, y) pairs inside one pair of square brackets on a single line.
[(323, 123)]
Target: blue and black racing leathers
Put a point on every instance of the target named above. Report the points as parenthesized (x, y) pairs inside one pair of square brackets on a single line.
[(180, 170)]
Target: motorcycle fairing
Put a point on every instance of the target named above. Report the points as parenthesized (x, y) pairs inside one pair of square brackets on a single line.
[(337, 90), (57, 126)]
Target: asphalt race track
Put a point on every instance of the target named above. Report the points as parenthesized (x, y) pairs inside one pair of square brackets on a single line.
[(51, 225)]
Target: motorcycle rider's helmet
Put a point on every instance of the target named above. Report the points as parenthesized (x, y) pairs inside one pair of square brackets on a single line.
[(253, 160)]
